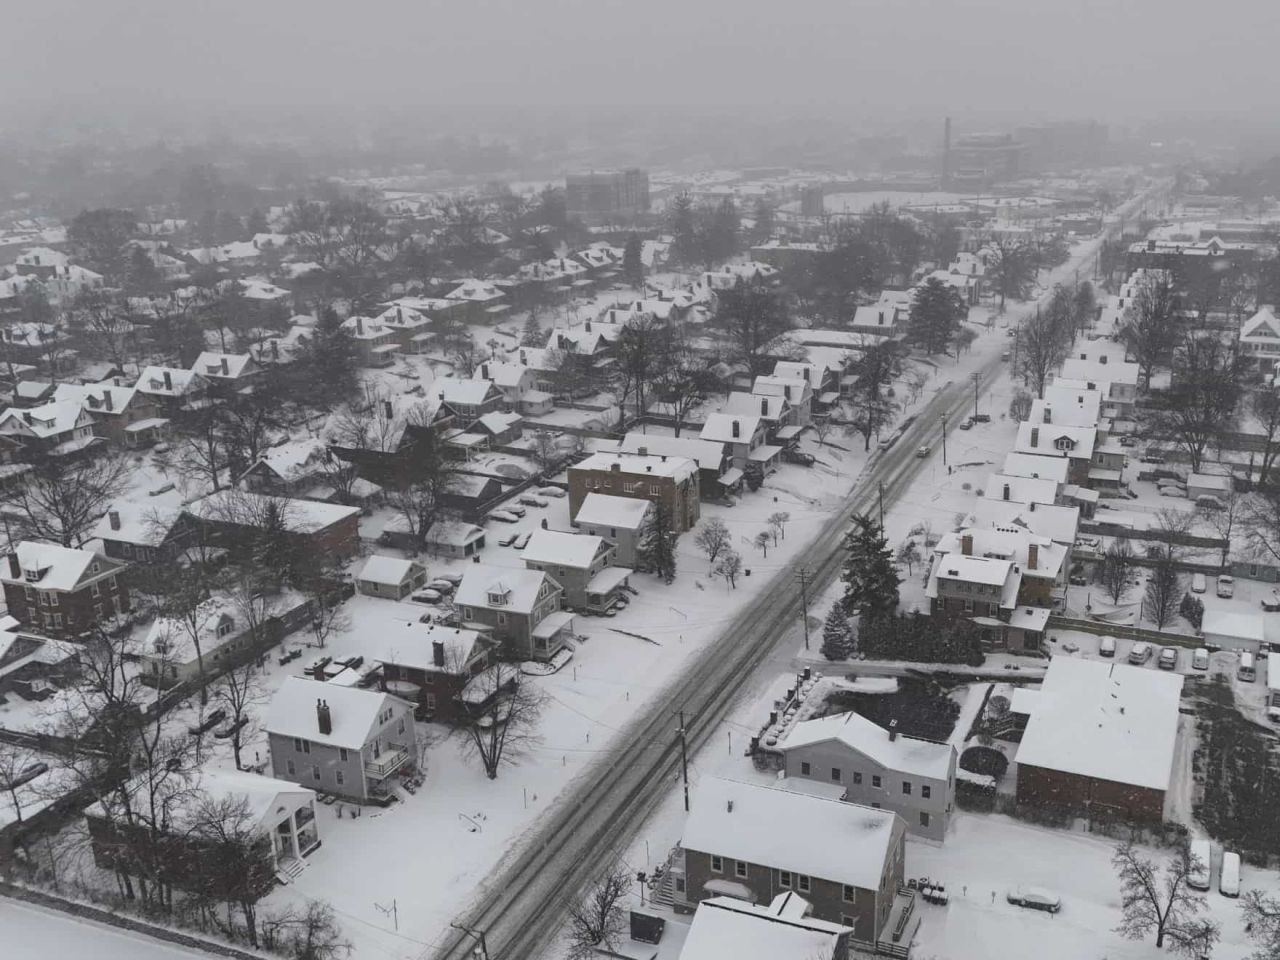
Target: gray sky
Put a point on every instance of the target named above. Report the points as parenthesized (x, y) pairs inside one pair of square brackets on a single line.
[(1115, 59)]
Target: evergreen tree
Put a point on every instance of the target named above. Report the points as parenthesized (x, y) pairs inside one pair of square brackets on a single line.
[(329, 361), (656, 551), (837, 634), (765, 219), (257, 223), (936, 312), (684, 230), (532, 335), (722, 231), (632, 261), (870, 576)]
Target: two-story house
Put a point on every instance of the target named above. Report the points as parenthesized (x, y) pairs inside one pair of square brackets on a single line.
[(712, 458), (519, 386), (876, 767), (144, 533), (582, 565), (173, 389), (745, 437), (469, 400), (671, 482), (619, 520), (1260, 340), (57, 428), (391, 577), (61, 591), (121, 415), (521, 608), (227, 372), (754, 842), (374, 342), (796, 395), (339, 739), (410, 329), (774, 411), (726, 927), (290, 469), (1072, 444), (431, 664)]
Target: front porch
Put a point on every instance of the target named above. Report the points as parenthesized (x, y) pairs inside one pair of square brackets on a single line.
[(607, 590), (386, 761)]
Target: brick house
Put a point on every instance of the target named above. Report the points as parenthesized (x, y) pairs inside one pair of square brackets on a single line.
[(521, 608), (914, 778), (339, 739), (143, 533), (670, 481), (324, 531), (712, 458), (1100, 739), (582, 565), (430, 665), (755, 842), (61, 591)]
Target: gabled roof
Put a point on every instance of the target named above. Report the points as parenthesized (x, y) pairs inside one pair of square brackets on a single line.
[(708, 454), (100, 398), (210, 364), (353, 712), (403, 318), (293, 460), (677, 468), (775, 386), (1263, 325), (1045, 439), (718, 427), (47, 420), (777, 828), (386, 570), (141, 524), (475, 290), (813, 373), (725, 928), (455, 390), (1032, 465), (562, 549), (413, 647), (181, 381), (59, 568), (502, 373), (922, 758), (623, 513), (519, 589), (240, 506)]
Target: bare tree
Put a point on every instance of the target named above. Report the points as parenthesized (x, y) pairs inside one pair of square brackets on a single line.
[(1262, 921), (762, 541), (1164, 587), (312, 933), (1117, 567), (230, 862), (729, 566), (713, 538), (598, 921), (17, 762), (778, 524), (239, 693), (1042, 344), (1161, 902), (684, 380), (501, 721), (1225, 520), (909, 555), (1150, 327), (822, 427), (1020, 404), (1200, 405), (60, 499)]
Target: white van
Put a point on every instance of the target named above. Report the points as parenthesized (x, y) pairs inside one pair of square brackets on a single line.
[(1229, 882), (1140, 653), (1200, 659), (1199, 584), (1107, 647), (1201, 865), (1248, 668)]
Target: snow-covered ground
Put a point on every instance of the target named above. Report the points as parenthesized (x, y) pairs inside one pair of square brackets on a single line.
[(29, 932)]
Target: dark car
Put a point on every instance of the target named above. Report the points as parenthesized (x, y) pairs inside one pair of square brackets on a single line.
[(799, 456), (981, 418)]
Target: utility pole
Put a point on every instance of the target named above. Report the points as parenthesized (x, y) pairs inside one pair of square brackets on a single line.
[(881, 492), (943, 418), (478, 935), (975, 377), (684, 762), (803, 577)]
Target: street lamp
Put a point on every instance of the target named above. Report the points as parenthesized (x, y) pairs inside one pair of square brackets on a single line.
[(943, 418)]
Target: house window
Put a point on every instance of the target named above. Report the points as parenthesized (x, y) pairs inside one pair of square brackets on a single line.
[(539, 643), (339, 777), (924, 819), (466, 614), (740, 869), (849, 893), (400, 726), (53, 599), (848, 921), (57, 619), (835, 774), (875, 806), (802, 883), (224, 628), (925, 791), (288, 765), (30, 594), (502, 619), (804, 769), (126, 549), (93, 589), (875, 780), (857, 777), (342, 754), (968, 605), (784, 879), (315, 772), (906, 788), (717, 864)]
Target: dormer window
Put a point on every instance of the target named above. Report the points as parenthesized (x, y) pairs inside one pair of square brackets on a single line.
[(497, 599), (1064, 443), (31, 576)]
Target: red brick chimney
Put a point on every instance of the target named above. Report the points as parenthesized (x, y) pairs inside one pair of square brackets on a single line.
[(323, 718), (966, 544), (1033, 555)]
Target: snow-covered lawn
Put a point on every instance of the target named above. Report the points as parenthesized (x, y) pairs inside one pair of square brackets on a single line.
[(29, 932)]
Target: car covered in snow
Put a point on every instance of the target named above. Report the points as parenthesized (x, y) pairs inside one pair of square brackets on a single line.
[(529, 500), (507, 539), (503, 516), (441, 585), (923, 451), (1226, 587), (427, 596), (522, 541), (551, 492), (1035, 898)]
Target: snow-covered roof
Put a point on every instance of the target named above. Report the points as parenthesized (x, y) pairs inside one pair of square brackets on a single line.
[(103, 397), (141, 524), (414, 647), (1098, 371), (562, 549), (403, 317), (625, 513), (1032, 465), (813, 373), (1033, 619), (507, 588), (475, 290), (497, 422), (455, 390), (453, 533), (387, 570), (708, 454), (352, 711), (778, 828), (1056, 440), (776, 386), (1210, 481), (1058, 523), (300, 516), (718, 428), (1007, 542), (766, 407), (214, 621), (1023, 490), (295, 459), (212, 364), (502, 373), (1262, 326), (1082, 414), (152, 380), (922, 758), (47, 420), (58, 567), (1105, 720), (726, 928), (987, 570), (1239, 625), (677, 468)]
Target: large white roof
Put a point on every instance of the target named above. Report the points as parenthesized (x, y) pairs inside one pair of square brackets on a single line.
[(381, 569), (301, 516), (354, 712), (1104, 720), (64, 567), (562, 549), (828, 839), (678, 468), (708, 454), (413, 647), (922, 758), (519, 588), (626, 513), (142, 524), (1032, 465), (718, 427), (728, 929)]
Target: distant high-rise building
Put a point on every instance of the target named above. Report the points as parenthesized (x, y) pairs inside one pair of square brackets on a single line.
[(811, 202), (1063, 142), (983, 158), (617, 191)]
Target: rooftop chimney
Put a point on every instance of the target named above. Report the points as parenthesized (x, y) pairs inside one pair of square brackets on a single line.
[(786, 391), (729, 806), (966, 544), (764, 406), (437, 652), (275, 349), (387, 409), (113, 517), (168, 380), (643, 451), (226, 369), (484, 370), (1103, 359), (360, 326), (736, 429), (524, 359), (1035, 436), (323, 718), (106, 399), (1006, 491), (893, 730), (15, 568), (1033, 554)]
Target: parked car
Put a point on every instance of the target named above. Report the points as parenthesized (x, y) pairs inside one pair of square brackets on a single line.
[(427, 596), (1151, 458), (529, 500), (1078, 580), (923, 451), (798, 456), (1035, 898), (1198, 583), (1201, 864), (515, 508), (1271, 603), (454, 578), (1163, 482), (507, 539), (1200, 659), (1229, 881), (1226, 587), (522, 541), (551, 492), (981, 418), (1107, 647), (888, 441), (966, 423), (503, 516), (1168, 658), (1174, 491), (442, 585), (1140, 653), (1128, 441), (1207, 501)]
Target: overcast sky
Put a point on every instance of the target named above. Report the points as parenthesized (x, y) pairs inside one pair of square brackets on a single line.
[(1114, 59)]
